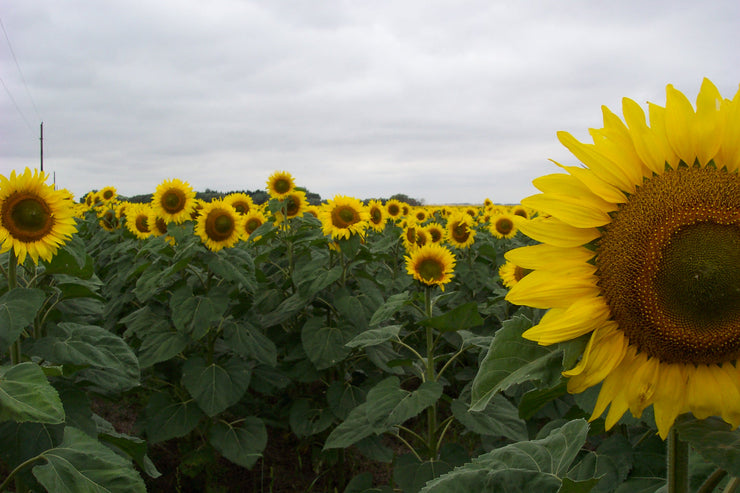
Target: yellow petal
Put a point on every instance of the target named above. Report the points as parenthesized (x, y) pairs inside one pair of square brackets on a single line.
[(599, 164), (647, 143), (604, 352), (558, 324), (704, 394), (642, 384), (596, 185), (548, 257), (657, 117), (580, 213), (730, 394), (679, 115), (669, 399), (555, 232), (729, 151), (612, 391), (541, 289), (707, 127)]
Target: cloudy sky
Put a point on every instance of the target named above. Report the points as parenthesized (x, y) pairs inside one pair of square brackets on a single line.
[(447, 101)]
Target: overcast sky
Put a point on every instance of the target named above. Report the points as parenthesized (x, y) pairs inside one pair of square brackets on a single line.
[(446, 101)]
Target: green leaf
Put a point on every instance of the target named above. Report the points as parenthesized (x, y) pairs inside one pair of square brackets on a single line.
[(285, 310), (713, 439), (536, 399), (324, 346), (77, 290), (133, 447), (389, 308), (156, 278), (160, 343), (411, 474), (113, 366), (18, 308), (241, 442), (343, 397), (608, 466), (194, 314), (166, 418), (537, 465), (373, 337), (462, 317), (511, 360), (81, 464), (71, 260), (499, 418), (216, 386), (307, 419), (26, 395), (247, 340), (233, 265)]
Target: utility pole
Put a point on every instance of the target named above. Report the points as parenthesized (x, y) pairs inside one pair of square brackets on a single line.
[(41, 140)]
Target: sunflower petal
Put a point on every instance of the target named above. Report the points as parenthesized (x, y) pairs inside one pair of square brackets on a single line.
[(669, 400), (678, 117), (540, 289), (707, 129), (604, 352), (548, 257), (555, 232), (558, 324), (646, 142), (605, 169), (596, 185), (578, 212), (729, 151)]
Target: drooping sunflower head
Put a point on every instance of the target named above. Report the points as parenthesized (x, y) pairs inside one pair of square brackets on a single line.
[(138, 220), (35, 219), (174, 200), (502, 226), (641, 250), (460, 232), (241, 202), (408, 234), (219, 225), (431, 264), (108, 220), (280, 184), (377, 215), (343, 217)]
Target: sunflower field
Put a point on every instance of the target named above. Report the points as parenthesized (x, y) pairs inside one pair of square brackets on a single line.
[(378, 346)]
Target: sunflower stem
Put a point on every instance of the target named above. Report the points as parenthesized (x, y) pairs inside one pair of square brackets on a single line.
[(15, 346), (678, 463), (430, 376), (712, 481)]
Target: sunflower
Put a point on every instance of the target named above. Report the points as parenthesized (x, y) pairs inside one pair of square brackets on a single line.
[(138, 220), (242, 202), (378, 215), (174, 201), (343, 217), (519, 210), (431, 264), (419, 214), (502, 226), (460, 232), (107, 194), (253, 220), (408, 234), (641, 252), (394, 208), (295, 205), (280, 184), (511, 274), (35, 219), (219, 225), (437, 233), (107, 219)]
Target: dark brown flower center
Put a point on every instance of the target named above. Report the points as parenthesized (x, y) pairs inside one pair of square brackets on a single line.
[(344, 216), (173, 200), (27, 217), (219, 225), (430, 269)]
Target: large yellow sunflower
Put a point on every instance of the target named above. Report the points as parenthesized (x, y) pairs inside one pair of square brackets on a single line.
[(431, 264), (641, 250), (280, 184), (242, 202), (344, 216), (138, 220), (460, 232), (219, 225), (35, 219), (174, 201)]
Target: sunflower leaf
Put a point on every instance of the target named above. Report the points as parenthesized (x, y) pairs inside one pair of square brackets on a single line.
[(18, 308), (26, 395), (462, 317), (713, 439)]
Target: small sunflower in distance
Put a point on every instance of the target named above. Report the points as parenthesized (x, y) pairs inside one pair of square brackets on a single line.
[(219, 225), (343, 217), (394, 208), (437, 233), (502, 226), (639, 251), (511, 274), (460, 232), (280, 184), (107, 194), (377, 215), (174, 200), (431, 264), (253, 220), (35, 219)]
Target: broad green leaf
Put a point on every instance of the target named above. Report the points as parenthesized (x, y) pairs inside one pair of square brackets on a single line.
[(319, 280), (166, 418), (389, 308), (572, 486), (537, 465), (248, 341), (307, 419), (241, 442), (133, 447), (609, 465), (373, 337), (373, 448), (536, 399), (412, 474), (511, 360), (233, 265), (160, 343), (350, 310), (18, 308), (77, 290), (26, 395), (81, 464), (324, 346), (351, 430), (713, 439), (156, 278), (71, 260), (413, 403), (499, 418), (462, 317), (218, 385), (284, 311), (112, 364), (195, 314), (343, 397), (23, 441)]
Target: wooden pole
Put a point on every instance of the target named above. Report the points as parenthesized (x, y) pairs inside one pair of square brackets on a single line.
[(41, 141)]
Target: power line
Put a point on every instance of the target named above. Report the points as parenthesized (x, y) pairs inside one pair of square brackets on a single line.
[(23, 79), (28, 124)]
